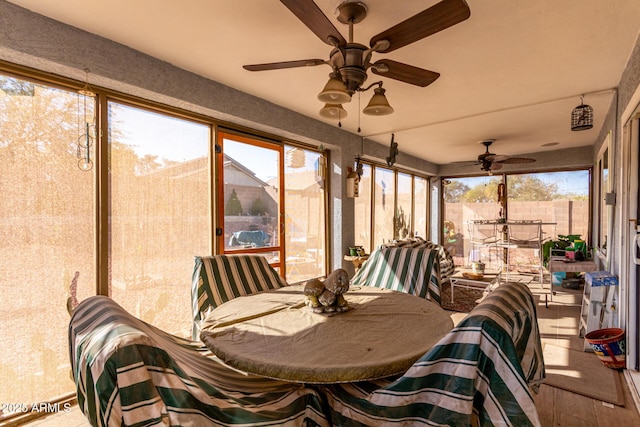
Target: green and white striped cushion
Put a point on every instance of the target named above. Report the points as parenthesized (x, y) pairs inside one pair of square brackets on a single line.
[(447, 266), (481, 373), (219, 278), (128, 372), (409, 270)]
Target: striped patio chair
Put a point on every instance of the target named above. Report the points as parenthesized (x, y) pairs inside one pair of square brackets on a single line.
[(128, 372), (404, 269), (445, 260), (220, 278), (482, 373)]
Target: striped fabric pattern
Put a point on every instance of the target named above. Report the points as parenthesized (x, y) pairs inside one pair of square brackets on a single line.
[(447, 266), (482, 373), (128, 372), (409, 270), (219, 278)]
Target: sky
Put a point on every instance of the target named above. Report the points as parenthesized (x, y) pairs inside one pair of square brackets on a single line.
[(574, 182)]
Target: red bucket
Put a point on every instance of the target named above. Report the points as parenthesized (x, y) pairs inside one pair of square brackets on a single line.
[(609, 345)]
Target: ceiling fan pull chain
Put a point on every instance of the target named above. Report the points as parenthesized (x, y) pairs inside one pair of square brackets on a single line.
[(358, 111)]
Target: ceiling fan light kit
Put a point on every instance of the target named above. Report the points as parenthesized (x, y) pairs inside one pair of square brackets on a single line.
[(350, 61), (582, 116)]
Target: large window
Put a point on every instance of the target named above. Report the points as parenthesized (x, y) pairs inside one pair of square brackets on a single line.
[(420, 205), (47, 223), (384, 192), (305, 216), (404, 206), (391, 205), (467, 200), (560, 200), (363, 213), (159, 212)]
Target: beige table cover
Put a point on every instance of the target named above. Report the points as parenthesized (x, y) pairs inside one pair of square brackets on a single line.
[(275, 335)]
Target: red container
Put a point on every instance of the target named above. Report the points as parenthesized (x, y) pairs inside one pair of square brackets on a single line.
[(609, 345)]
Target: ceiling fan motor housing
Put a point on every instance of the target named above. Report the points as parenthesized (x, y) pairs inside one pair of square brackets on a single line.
[(351, 64)]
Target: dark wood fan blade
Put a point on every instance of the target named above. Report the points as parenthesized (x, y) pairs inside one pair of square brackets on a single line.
[(311, 16), (404, 73), (516, 160), (465, 162), (285, 64), (436, 18), (497, 158)]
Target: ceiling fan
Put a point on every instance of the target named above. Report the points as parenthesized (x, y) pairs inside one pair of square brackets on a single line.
[(350, 61), (490, 162)]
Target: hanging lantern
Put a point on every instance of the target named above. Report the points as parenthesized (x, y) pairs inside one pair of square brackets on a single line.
[(582, 117)]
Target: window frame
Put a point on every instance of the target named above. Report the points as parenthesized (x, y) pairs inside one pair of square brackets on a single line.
[(603, 187), (412, 229)]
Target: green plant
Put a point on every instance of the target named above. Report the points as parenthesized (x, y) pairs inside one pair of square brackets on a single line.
[(258, 207), (233, 207), (561, 243), (400, 225)]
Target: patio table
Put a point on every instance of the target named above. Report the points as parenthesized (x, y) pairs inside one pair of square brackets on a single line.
[(274, 334)]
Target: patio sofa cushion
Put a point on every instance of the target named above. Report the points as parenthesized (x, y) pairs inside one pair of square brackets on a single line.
[(220, 278), (128, 372), (409, 270), (482, 373)]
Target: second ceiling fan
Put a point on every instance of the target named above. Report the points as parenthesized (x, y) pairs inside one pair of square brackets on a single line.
[(350, 61), (491, 162)]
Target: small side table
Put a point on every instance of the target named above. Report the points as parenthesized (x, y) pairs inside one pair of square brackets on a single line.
[(357, 260)]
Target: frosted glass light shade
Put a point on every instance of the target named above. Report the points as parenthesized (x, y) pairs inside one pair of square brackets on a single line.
[(334, 92), (378, 106), (333, 111)]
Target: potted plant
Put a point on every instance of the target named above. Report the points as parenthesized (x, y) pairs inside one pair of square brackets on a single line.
[(561, 243)]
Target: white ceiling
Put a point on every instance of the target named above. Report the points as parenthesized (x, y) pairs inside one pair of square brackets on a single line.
[(513, 71)]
